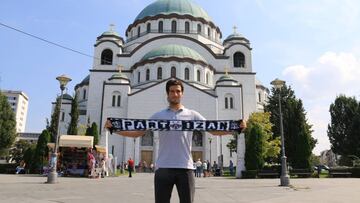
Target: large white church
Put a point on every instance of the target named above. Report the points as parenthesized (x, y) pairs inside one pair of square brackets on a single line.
[(168, 39)]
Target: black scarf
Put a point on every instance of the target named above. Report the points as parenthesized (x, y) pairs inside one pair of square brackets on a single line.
[(124, 124)]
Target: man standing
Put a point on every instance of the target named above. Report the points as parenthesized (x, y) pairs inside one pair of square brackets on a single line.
[(174, 165), (130, 166)]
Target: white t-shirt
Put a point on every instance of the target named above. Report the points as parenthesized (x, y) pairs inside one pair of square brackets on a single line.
[(175, 146)]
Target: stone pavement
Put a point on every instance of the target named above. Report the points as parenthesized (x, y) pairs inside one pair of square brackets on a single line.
[(30, 188)]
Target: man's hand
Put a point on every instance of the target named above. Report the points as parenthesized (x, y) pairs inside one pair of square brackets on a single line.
[(243, 125), (108, 126)]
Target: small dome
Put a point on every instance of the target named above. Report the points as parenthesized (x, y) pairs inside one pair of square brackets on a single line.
[(118, 76), (173, 50), (67, 97), (110, 32), (236, 36), (84, 82), (226, 78), (181, 7)]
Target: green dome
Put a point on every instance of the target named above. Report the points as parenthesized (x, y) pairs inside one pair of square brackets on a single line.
[(173, 50), (67, 97), (234, 35), (226, 78), (84, 82), (118, 76), (181, 7), (110, 32)]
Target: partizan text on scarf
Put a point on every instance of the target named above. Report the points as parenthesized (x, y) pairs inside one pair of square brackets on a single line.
[(123, 124)]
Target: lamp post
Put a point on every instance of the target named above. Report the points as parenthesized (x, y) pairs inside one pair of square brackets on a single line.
[(52, 175), (210, 140), (284, 178), (134, 148)]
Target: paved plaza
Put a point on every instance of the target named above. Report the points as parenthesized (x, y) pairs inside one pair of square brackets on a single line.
[(30, 188)]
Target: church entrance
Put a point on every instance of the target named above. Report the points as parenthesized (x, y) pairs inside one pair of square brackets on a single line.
[(197, 155), (147, 156)]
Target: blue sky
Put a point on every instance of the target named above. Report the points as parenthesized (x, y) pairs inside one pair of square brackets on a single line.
[(313, 45)]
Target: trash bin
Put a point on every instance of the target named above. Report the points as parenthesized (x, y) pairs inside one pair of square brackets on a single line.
[(217, 172)]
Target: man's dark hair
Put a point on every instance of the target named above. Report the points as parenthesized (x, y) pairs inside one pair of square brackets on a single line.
[(173, 82)]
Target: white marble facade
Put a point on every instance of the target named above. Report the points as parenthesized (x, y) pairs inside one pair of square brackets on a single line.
[(128, 77)]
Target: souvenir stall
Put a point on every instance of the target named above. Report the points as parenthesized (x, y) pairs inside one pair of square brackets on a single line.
[(73, 154)]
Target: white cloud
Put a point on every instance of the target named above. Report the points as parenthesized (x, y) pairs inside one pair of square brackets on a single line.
[(318, 85)]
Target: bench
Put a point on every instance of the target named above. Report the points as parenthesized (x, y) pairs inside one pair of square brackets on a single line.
[(339, 173), (268, 174), (301, 173)]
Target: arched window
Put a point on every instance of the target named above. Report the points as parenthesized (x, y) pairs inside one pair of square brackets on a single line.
[(139, 31), (173, 72), (84, 94), (187, 27), (147, 139), (173, 26), (197, 139), (198, 75), (229, 101), (148, 28), (259, 95), (159, 73), (62, 116), (209, 32), (239, 59), (116, 99), (113, 100), (147, 74), (187, 74), (207, 78), (139, 74), (199, 29), (161, 27), (106, 57)]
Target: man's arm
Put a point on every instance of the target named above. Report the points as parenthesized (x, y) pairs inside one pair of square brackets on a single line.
[(131, 133), (220, 133)]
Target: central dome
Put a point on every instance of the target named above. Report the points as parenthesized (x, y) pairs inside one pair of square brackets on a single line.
[(173, 50), (181, 7)]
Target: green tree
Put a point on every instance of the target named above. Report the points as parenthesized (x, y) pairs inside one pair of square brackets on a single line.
[(300, 133), (254, 153), (54, 123), (18, 151), (29, 156), (7, 125), (95, 133), (73, 127), (344, 129), (299, 142), (271, 145), (41, 150)]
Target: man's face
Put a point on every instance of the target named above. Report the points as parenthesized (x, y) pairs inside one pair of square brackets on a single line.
[(175, 94)]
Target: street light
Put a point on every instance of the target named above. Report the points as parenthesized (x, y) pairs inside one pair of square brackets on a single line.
[(210, 140), (52, 175), (284, 178), (134, 148)]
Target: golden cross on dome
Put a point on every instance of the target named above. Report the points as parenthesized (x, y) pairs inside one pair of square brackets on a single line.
[(235, 28), (226, 70), (120, 67), (112, 27)]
